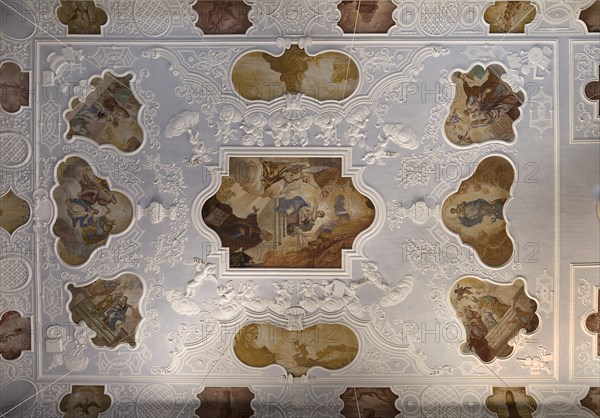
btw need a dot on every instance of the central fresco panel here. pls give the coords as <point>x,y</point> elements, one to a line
<point>305,209</point>
<point>287,212</point>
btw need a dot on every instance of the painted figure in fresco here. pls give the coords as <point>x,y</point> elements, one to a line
<point>96,110</point>
<point>473,212</point>
<point>300,215</point>
<point>489,318</point>
<point>292,69</point>
<point>276,176</point>
<point>243,233</point>
<point>492,304</point>
<point>118,112</point>
<point>123,94</point>
<point>107,302</point>
<point>79,126</point>
<point>116,313</point>
<point>462,292</point>
<point>98,231</point>
<point>487,102</point>
<point>95,190</point>
<point>492,315</point>
<point>80,211</point>
<point>301,356</point>
<point>340,209</point>
<point>82,12</point>
<point>328,178</point>
<point>89,121</point>
<point>476,336</point>
<point>511,405</point>
<point>295,194</point>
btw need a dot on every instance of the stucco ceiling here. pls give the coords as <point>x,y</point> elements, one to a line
<point>299,208</point>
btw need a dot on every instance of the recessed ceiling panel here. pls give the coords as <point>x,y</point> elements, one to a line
<point>308,208</point>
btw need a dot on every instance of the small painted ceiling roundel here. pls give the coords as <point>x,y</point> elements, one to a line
<point>476,211</point>
<point>111,308</point>
<point>509,16</point>
<point>88,211</point>
<point>81,17</point>
<point>222,17</point>
<point>492,314</point>
<point>325,76</point>
<point>14,212</point>
<point>366,16</point>
<point>591,17</point>
<point>484,108</point>
<point>14,87</point>
<point>108,114</point>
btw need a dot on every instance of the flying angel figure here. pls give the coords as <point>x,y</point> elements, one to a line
<point>462,292</point>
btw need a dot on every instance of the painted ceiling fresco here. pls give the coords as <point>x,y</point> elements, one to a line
<point>326,76</point>
<point>312,208</point>
<point>287,212</point>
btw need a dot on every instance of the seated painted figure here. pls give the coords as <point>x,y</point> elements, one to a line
<point>116,313</point>
<point>240,233</point>
<point>485,104</point>
<point>98,230</point>
<point>472,213</point>
<point>95,190</point>
<point>300,215</point>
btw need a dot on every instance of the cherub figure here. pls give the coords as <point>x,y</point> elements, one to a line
<point>370,272</point>
<point>204,271</point>
<point>247,291</point>
<point>227,293</point>
<point>307,290</point>
<point>201,153</point>
<point>376,154</point>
